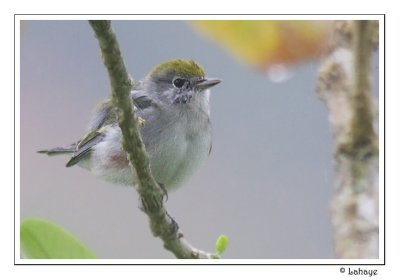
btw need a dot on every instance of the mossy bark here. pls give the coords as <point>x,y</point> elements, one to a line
<point>344,85</point>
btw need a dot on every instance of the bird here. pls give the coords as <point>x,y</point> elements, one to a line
<point>173,102</point>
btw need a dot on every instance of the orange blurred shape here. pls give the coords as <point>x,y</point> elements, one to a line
<point>264,43</point>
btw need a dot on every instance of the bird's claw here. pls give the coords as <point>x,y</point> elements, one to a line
<point>164,190</point>
<point>175,226</point>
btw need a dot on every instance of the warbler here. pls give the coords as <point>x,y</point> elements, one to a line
<point>173,101</point>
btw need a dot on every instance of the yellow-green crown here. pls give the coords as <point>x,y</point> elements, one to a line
<point>177,68</point>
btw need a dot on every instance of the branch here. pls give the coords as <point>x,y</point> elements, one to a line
<point>161,224</point>
<point>345,87</point>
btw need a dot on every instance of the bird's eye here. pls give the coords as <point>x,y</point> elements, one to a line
<point>178,82</point>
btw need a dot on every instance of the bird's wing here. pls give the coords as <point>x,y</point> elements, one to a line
<point>140,100</point>
<point>86,145</point>
<point>105,116</point>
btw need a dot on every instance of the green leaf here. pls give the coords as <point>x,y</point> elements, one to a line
<point>41,239</point>
<point>221,244</point>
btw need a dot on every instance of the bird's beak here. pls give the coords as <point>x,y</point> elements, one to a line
<point>207,83</point>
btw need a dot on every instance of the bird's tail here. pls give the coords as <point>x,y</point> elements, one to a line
<point>59,150</point>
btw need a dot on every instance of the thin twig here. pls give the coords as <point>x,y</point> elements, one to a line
<point>161,224</point>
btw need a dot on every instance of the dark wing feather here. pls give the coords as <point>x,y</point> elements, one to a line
<point>85,147</point>
<point>141,102</point>
<point>59,150</point>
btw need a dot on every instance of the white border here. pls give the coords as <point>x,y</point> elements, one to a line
<point>172,261</point>
<point>17,94</point>
<point>382,190</point>
<point>198,17</point>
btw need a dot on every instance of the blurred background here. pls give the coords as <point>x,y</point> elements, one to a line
<point>267,184</point>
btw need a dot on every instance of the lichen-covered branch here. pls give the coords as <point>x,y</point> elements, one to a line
<point>162,225</point>
<point>344,85</point>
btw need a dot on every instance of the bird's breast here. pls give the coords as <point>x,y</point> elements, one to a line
<point>177,146</point>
